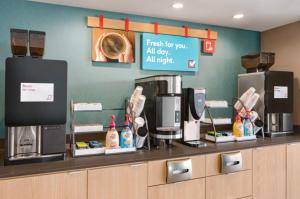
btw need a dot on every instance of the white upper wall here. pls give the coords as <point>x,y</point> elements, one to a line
<point>259,15</point>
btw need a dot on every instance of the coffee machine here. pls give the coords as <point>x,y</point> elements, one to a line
<point>35,103</point>
<point>275,105</point>
<point>35,109</point>
<point>162,106</point>
<point>192,106</point>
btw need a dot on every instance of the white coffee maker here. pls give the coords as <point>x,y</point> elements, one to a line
<point>193,104</point>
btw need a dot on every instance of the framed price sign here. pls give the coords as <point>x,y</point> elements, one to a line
<point>209,45</point>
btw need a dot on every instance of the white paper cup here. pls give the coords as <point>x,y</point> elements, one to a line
<point>141,136</point>
<point>139,122</point>
<point>139,106</point>
<point>135,95</point>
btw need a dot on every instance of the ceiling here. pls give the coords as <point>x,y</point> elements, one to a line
<point>259,15</point>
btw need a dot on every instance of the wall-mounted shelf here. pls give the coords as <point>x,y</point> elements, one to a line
<point>86,107</point>
<point>84,128</point>
<point>117,24</point>
<point>215,104</point>
<point>89,151</point>
<point>119,150</point>
<point>218,121</point>
<point>87,128</point>
<point>219,139</point>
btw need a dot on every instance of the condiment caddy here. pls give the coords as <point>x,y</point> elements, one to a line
<point>134,133</point>
<point>94,147</point>
<point>215,136</point>
<point>83,148</point>
<point>247,122</point>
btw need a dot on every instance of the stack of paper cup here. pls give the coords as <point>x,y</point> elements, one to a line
<point>136,94</point>
<point>139,106</point>
<point>250,103</point>
<point>134,97</point>
<point>245,96</point>
<point>141,136</point>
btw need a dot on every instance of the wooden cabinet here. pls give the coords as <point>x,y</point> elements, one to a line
<point>126,182</point>
<point>51,186</point>
<point>157,170</point>
<point>269,172</point>
<point>181,190</point>
<point>293,171</point>
<point>229,186</point>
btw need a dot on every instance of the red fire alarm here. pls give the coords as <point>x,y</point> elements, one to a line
<point>209,45</point>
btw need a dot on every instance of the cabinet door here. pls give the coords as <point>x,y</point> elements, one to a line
<point>50,186</point>
<point>182,190</point>
<point>229,186</point>
<point>293,171</point>
<point>17,188</point>
<point>269,172</point>
<point>76,185</point>
<point>126,182</point>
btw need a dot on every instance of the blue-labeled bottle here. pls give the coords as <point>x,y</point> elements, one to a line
<point>126,138</point>
<point>248,126</point>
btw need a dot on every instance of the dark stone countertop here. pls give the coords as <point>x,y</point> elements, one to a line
<point>178,150</point>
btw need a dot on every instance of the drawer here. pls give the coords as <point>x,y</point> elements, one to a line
<point>213,162</point>
<point>181,190</point>
<point>157,170</point>
<point>229,186</point>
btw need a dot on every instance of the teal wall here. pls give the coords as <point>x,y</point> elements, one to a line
<point>68,38</point>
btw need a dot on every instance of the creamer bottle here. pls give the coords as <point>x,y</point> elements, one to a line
<point>126,137</point>
<point>248,126</point>
<point>238,127</point>
<point>112,136</point>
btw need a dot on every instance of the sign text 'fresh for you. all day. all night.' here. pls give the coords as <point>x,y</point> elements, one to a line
<point>166,52</point>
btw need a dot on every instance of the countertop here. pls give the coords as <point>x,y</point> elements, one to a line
<point>176,151</point>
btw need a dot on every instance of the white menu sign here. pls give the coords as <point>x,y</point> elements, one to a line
<point>280,92</point>
<point>37,92</point>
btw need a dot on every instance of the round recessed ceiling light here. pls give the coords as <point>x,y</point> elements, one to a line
<point>177,5</point>
<point>238,16</point>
